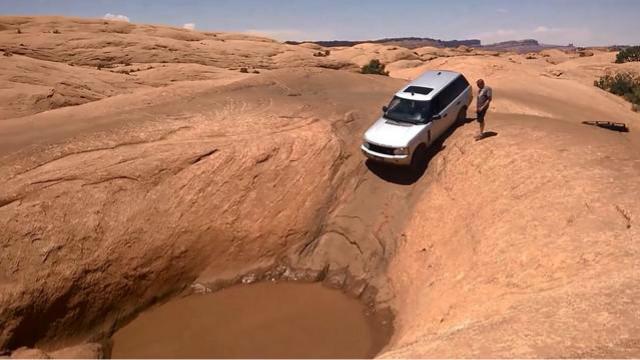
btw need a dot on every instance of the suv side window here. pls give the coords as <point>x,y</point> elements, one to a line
<point>461,85</point>
<point>447,95</point>
<point>455,89</point>
<point>435,104</point>
<point>458,86</point>
<point>463,82</point>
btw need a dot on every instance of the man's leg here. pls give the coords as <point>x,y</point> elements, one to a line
<point>481,122</point>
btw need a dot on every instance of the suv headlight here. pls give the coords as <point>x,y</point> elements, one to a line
<point>401,151</point>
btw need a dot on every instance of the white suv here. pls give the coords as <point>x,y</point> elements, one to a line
<point>416,116</point>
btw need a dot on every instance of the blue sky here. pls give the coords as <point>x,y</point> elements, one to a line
<point>582,22</point>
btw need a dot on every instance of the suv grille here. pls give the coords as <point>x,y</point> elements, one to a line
<point>380,149</point>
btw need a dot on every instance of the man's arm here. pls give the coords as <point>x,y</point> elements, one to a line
<point>486,105</point>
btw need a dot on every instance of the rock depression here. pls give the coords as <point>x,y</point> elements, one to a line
<point>169,171</point>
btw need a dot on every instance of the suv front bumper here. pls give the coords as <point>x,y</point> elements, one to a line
<point>391,159</point>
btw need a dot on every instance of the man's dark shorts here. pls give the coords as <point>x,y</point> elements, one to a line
<point>481,114</point>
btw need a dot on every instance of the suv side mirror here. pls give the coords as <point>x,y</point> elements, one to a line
<point>384,109</point>
<point>436,117</point>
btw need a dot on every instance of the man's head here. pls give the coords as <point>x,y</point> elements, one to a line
<point>480,83</point>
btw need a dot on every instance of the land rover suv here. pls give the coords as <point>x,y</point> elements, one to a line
<point>416,116</point>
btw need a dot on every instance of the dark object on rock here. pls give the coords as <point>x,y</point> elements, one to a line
<point>585,53</point>
<point>244,70</point>
<point>628,55</point>
<point>556,73</point>
<point>625,84</point>
<point>322,53</point>
<point>621,127</point>
<point>374,67</point>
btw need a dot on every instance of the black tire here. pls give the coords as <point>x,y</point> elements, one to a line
<point>419,158</point>
<point>462,116</point>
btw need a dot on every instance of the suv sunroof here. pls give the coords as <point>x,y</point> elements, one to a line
<point>418,90</point>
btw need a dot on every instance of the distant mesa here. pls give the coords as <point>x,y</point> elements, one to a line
<point>524,46</point>
<point>519,46</point>
<point>407,42</point>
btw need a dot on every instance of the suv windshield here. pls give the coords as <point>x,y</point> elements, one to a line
<point>406,110</point>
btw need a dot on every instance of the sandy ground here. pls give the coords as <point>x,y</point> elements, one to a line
<point>169,167</point>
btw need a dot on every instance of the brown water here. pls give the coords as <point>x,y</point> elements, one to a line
<point>264,320</point>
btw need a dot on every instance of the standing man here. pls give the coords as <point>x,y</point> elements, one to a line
<point>482,103</point>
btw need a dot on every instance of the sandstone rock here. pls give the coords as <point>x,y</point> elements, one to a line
<point>356,288</point>
<point>304,275</point>
<point>250,278</point>
<point>556,73</point>
<point>276,273</point>
<point>113,202</point>
<point>336,279</point>
<point>82,351</point>
<point>198,288</point>
<point>585,53</point>
<point>403,64</point>
<point>29,353</point>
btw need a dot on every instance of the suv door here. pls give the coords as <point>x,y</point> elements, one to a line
<point>461,96</point>
<point>447,110</point>
<point>438,126</point>
<point>452,101</point>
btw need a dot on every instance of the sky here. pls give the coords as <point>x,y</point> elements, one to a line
<point>581,22</point>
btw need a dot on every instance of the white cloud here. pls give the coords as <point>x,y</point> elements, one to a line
<point>541,29</point>
<point>115,17</point>
<point>189,26</point>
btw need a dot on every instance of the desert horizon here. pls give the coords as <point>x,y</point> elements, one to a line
<point>172,192</point>
<point>389,39</point>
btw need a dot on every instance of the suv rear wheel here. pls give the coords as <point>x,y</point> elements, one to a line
<point>462,115</point>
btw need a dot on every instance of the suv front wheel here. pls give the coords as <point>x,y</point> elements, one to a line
<point>419,158</point>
